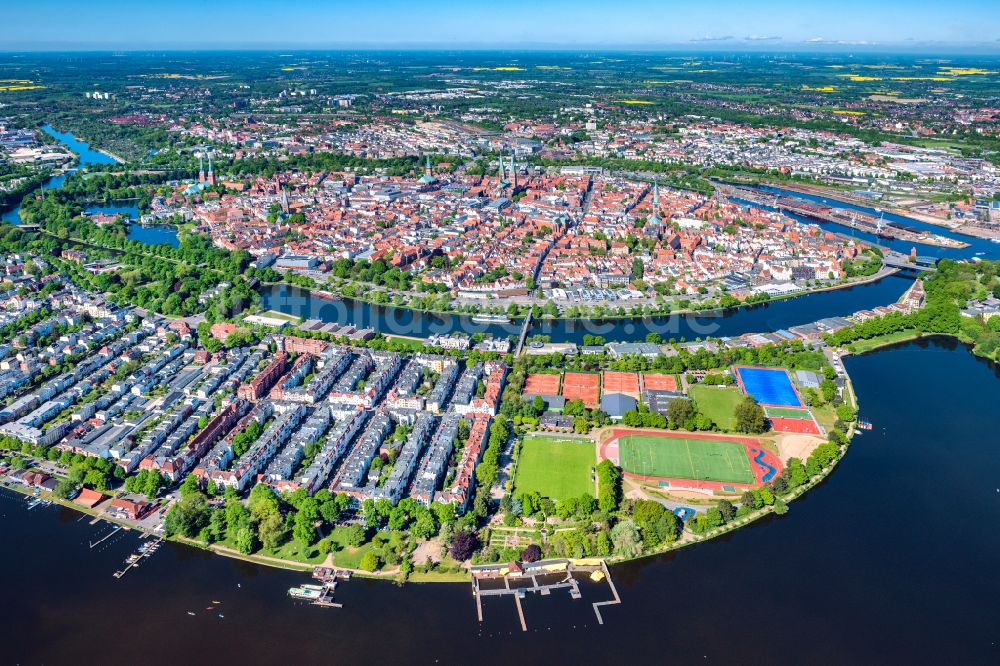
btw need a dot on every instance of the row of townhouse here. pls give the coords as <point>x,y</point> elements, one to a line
<point>221,455</point>
<point>35,411</point>
<point>180,462</point>
<point>332,364</point>
<point>465,389</point>
<point>438,397</point>
<point>434,462</point>
<point>259,385</point>
<point>261,451</point>
<point>164,458</point>
<point>403,394</point>
<point>287,461</point>
<point>130,460</point>
<point>460,489</point>
<point>489,403</point>
<point>406,461</point>
<point>386,366</point>
<point>352,473</point>
<point>333,449</point>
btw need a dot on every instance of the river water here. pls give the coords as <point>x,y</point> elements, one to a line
<point>977,246</point>
<point>85,154</point>
<point>891,560</point>
<point>773,316</point>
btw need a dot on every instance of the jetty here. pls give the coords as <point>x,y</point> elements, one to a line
<point>132,561</point>
<point>521,579</point>
<point>321,594</point>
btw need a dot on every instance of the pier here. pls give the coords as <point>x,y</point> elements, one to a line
<point>132,561</point>
<point>106,537</point>
<point>519,574</point>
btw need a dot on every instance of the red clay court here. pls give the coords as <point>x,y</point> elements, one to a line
<point>582,386</point>
<point>620,382</point>
<point>659,382</point>
<point>541,385</point>
<point>804,426</point>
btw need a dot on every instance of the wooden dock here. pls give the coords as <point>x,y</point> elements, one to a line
<point>519,592</point>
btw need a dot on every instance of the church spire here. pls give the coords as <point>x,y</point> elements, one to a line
<point>513,171</point>
<point>201,168</point>
<point>502,176</point>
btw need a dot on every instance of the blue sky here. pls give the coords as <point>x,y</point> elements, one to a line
<point>919,25</point>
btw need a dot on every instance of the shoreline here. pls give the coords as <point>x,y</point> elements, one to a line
<point>881,275</point>
<point>686,537</point>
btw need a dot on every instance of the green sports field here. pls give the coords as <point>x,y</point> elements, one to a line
<point>557,468</point>
<point>788,413</point>
<point>718,404</point>
<point>685,458</point>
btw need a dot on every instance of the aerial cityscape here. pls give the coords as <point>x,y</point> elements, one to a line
<point>581,340</point>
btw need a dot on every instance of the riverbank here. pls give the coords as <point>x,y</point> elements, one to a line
<point>708,312</point>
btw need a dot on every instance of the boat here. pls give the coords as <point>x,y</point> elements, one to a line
<point>304,593</point>
<point>491,319</point>
<point>327,296</point>
<point>190,613</point>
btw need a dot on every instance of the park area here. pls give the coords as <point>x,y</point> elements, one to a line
<point>717,403</point>
<point>555,467</point>
<point>697,458</point>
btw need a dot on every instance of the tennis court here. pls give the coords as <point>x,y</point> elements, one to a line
<point>620,382</point>
<point>541,384</point>
<point>582,386</point>
<point>659,382</point>
<point>679,457</point>
<point>769,386</point>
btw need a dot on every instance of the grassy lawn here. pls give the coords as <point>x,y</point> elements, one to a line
<point>555,467</point>
<point>717,403</point>
<point>409,343</point>
<point>291,550</point>
<point>274,314</point>
<point>349,556</point>
<point>862,346</point>
<point>788,413</point>
<point>685,458</point>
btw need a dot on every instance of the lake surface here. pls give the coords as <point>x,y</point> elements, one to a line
<point>891,560</point>
<point>751,319</point>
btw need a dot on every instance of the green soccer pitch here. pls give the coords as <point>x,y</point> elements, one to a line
<point>685,458</point>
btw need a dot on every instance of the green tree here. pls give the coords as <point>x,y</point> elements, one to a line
<point>369,561</point>
<point>750,417</point>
